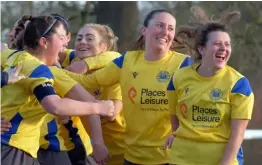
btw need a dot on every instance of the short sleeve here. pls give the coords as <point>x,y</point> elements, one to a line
<point>113,92</point>
<point>242,100</point>
<point>70,56</point>
<point>40,75</point>
<point>187,62</point>
<point>100,61</point>
<point>62,82</point>
<point>172,96</point>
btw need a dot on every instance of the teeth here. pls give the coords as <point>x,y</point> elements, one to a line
<point>162,39</point>
<point>83,49</point>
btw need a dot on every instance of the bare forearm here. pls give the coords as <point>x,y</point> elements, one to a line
<point>238,128</point>
<point>174,122</point>
<point>68,107</point>
<point>231,150</point>
<point>92,124</point>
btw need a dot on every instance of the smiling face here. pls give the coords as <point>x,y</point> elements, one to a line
<point>217,50</point>
<point>160,32</point>
<point>54,44</point>
<point>89,43</point>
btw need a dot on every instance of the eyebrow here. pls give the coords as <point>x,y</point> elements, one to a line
<point>88,34</point>
<point>168,24</point>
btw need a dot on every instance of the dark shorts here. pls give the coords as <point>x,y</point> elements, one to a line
<point>14,156</point>
<point>126,162</point>
<point>78,156</point>
<point>47,157</point>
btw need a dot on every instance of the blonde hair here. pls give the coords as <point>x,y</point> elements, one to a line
<point>106,34</point>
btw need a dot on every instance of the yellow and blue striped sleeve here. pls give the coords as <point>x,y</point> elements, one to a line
<point>101,60</point>
<point>187,62</point>
<point>106,76</point>
<point>172,96</point>
<point>39,76</point>
<point>242,100</point>
<point>70,56</point>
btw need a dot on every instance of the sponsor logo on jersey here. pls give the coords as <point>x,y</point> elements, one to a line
<point>132,94</point>
<point>205,114</point>
<point>183,110</point>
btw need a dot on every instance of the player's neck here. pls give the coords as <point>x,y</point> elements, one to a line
<point>38,54</point>
<point>207,71</point>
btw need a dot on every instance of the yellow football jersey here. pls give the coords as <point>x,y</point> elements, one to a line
<point>4,56</point>
<point>113,132</point>
<point>205,107</point>
<point>98,61</point>
<point>70,56</point>
<point>56,135</point>
<point>20,106</point>
<point>143,85</point>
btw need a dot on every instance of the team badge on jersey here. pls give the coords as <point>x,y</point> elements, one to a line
<point>216,94</point>
<point>163,76</point>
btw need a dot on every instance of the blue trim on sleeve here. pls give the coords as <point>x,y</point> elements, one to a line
<point>51,137</point>
<point>42,71</point>
<point>119,61</point>
<point>240,156</point>
<point>171,86</point>
<point>72,56</point>
<point>242,86</point>
<point>15,122</point>
<point>187,62</point>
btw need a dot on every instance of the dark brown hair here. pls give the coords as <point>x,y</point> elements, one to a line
<point>195,34</point>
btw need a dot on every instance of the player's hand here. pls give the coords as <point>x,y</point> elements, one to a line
<point>169,142</point>
<point>100,153</point>
<point>13,75</point>
<point>106,108</point>
<point>5,125</point>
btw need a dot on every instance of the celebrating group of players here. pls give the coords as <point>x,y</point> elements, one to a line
<point>149,106</point>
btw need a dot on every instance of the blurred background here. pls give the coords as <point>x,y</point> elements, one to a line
<point>126,18</point>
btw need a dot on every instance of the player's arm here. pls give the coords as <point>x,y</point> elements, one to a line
<point>40,83</point>
<point>242,101</point>
<point>90,122</point>
<point>114,93</point>
<point>92,63</point>
<point>172,102</point>
<point>106,76</point>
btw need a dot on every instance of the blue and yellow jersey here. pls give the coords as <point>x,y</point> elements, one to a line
<point>143,85</point>
<point>56,135</point>
<point>69,57</point>
<point>112,131</point>
<point>4,56</point>
<point>205,107</point>
<point>20,106</point>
